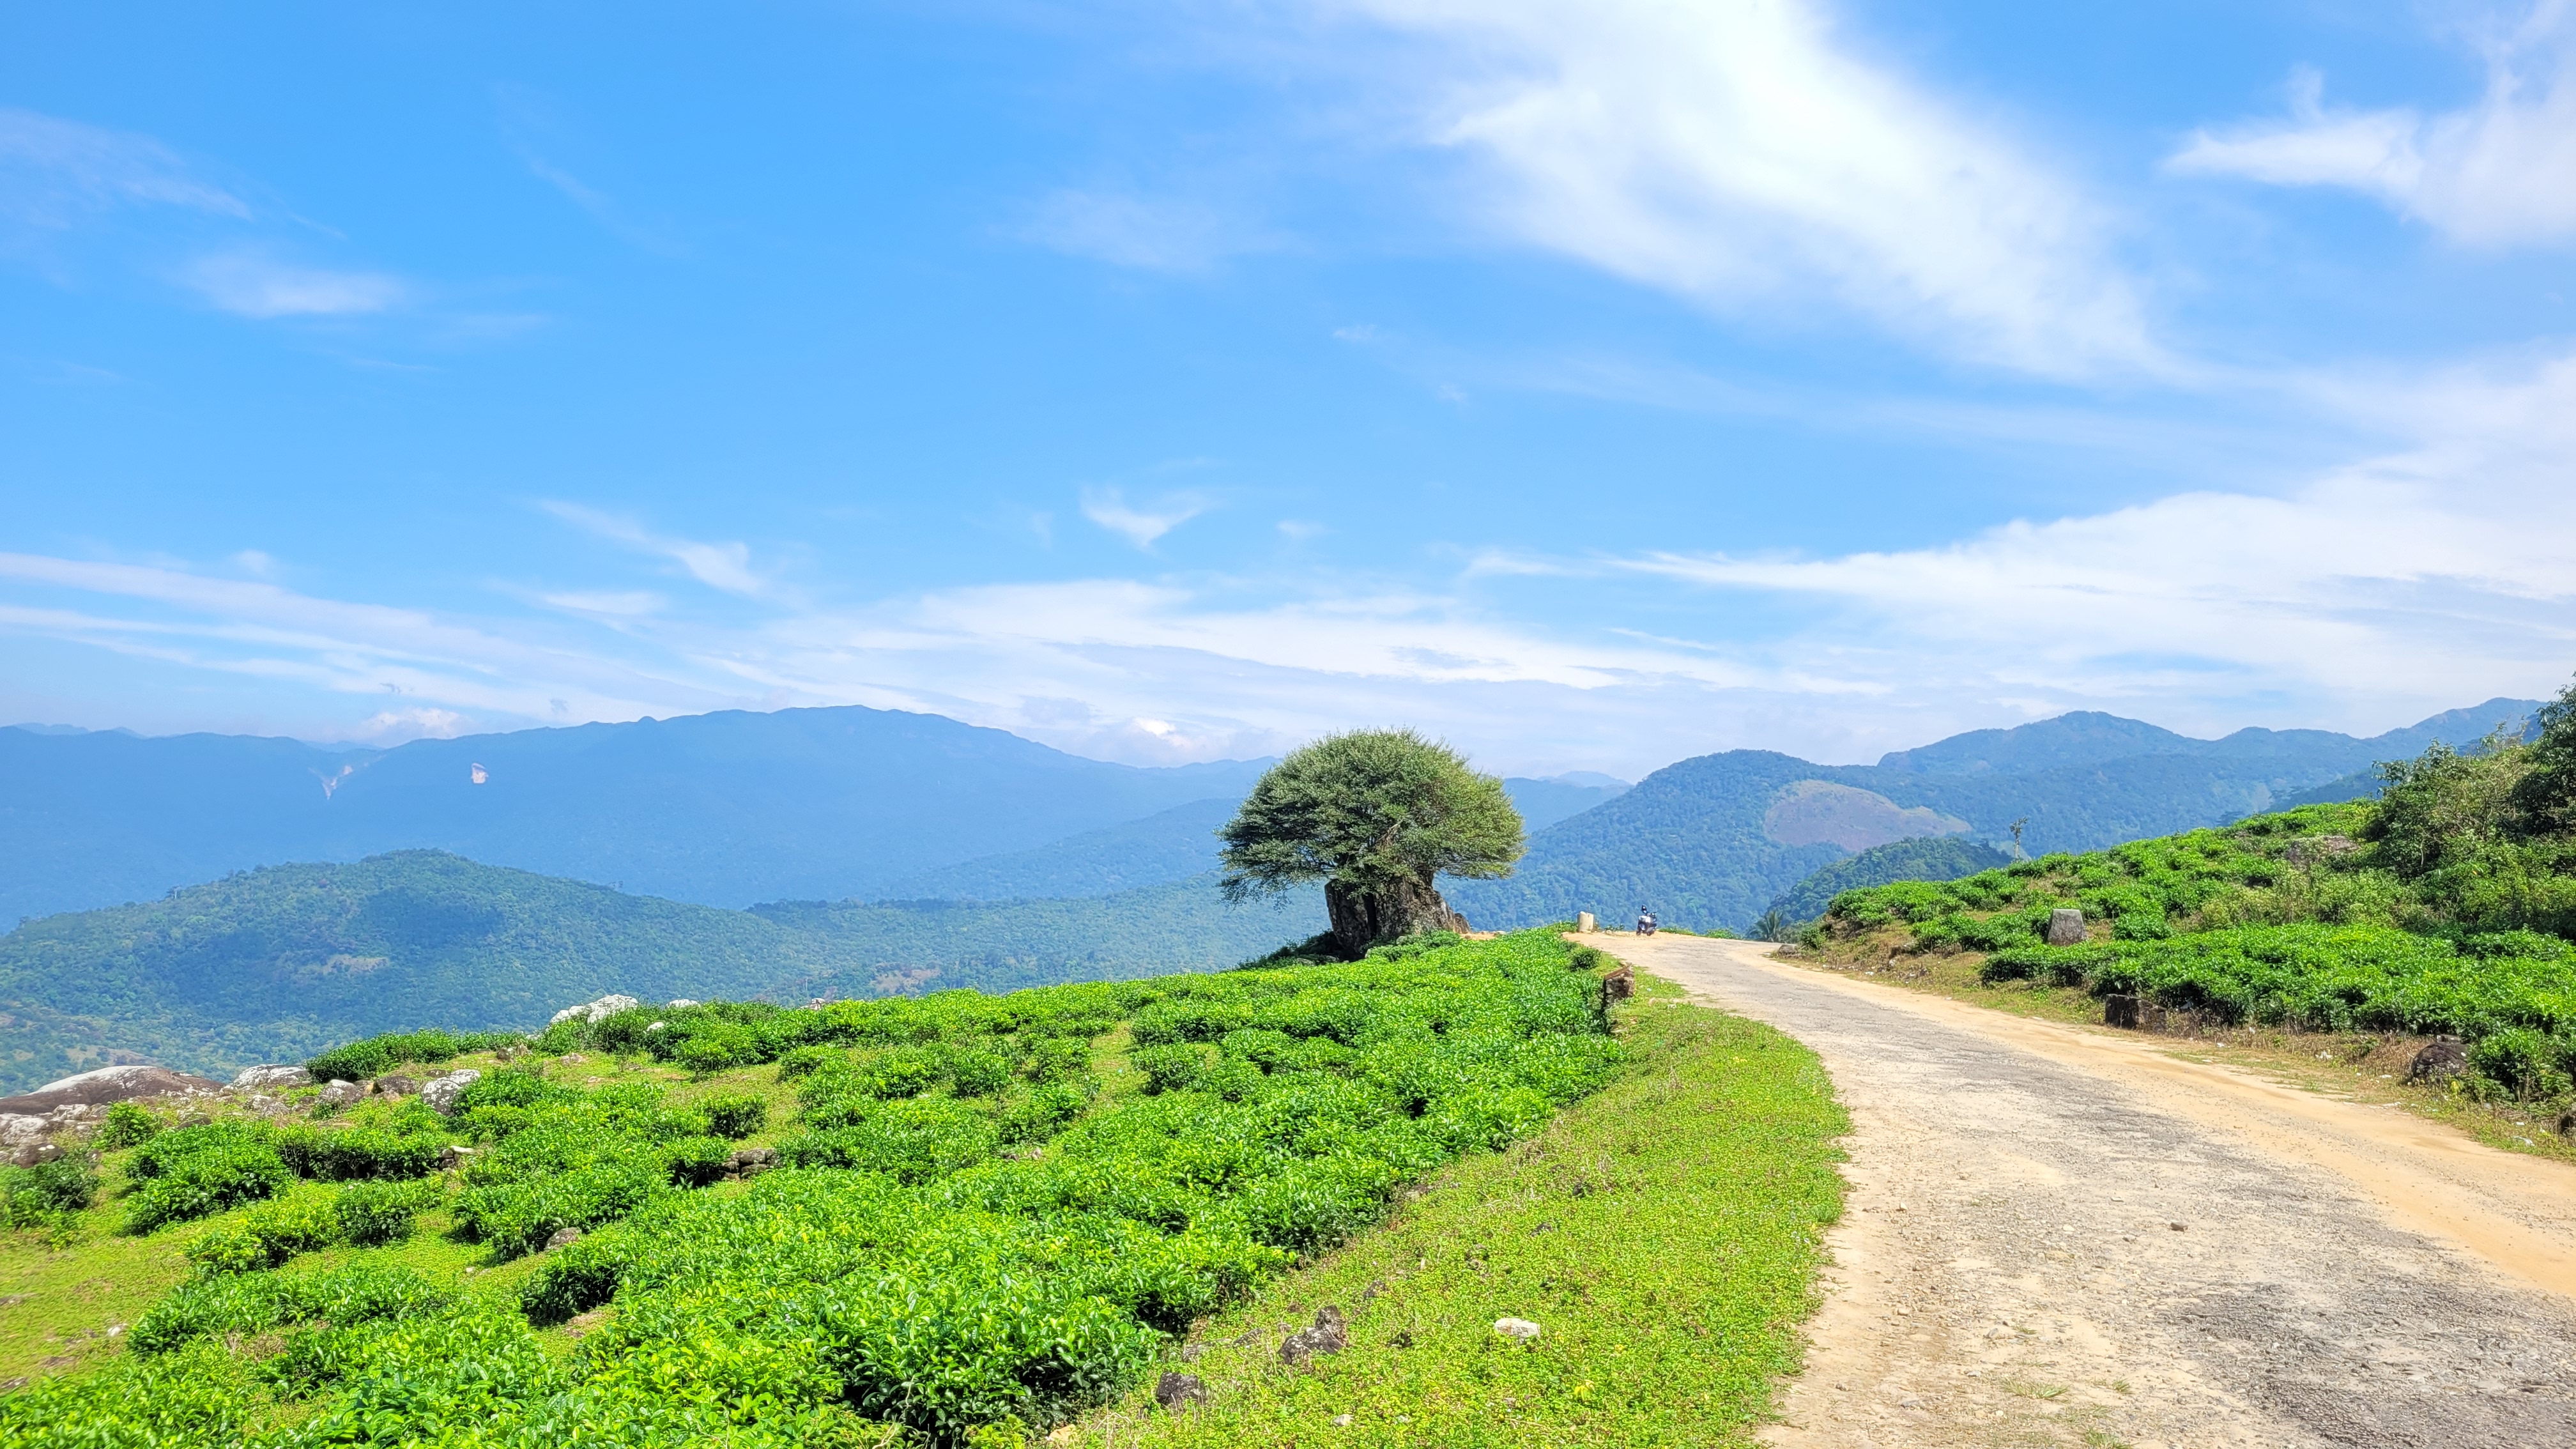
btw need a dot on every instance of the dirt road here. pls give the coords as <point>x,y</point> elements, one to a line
<point>2062,1236</point>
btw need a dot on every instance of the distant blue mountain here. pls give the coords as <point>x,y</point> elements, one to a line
<point>720,809</point>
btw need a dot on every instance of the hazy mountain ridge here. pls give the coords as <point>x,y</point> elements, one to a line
<point>719,809</point>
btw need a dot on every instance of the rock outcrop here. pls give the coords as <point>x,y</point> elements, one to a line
<point>107,1085</point>
<point>605,1006</point>
<point>271,1077</point>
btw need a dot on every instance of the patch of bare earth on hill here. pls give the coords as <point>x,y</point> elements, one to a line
<point>2009,1270</point>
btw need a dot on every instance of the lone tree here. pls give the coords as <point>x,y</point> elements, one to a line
<point>1374,815</point>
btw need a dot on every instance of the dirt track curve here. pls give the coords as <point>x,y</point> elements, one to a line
<point>2010,1272</point>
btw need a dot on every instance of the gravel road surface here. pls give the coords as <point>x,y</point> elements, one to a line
<point>2062,1236</point>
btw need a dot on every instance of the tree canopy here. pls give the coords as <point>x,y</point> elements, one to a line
<point>1376,815</point>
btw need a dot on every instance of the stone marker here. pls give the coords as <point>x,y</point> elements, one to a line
<point>1520,1328</point>
<point>1174,1391</point>
<point>1584,923</point>
<point>2066,927</point>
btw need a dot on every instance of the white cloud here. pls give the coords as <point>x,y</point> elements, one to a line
<point>725,566</point>
<point>53,172</point>
<point>1163,234</point>
<point>393,726</point>
<point>252,284</point>
<point>2436,573</point>
<point>1140,524</point>
<point>2498,172</point>
<point>1746,152</point>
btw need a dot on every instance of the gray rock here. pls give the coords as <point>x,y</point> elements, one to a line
<point>396,1085</point>
<point>269,1078</point>
<point>23,1127</point>
<point>2066,927</point>
<point>1619,985</point>
<point>563,1238</point>
<point>1329,1335</point>
<point>441,1092</point>
<point>264,1104</point>
<point>2442,1058</point>
<point>1520,1328</point>
<point>95,1090</point>
<point>678,1002</point>
<point>605,1006</point>
<point>751,1161</point>
<point>1177,1391</point>
<point>341,1094</point>
<point>34,1153</point>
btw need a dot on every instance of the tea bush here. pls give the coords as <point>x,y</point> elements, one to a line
<point>128,1124</point>
<point>47,1192</point>
<point>983,1223</point>
<point>377,1055</point>
<point>193,1172</point>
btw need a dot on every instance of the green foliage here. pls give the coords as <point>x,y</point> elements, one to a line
<point>737,1115</point>
<point>378,1055</point>
<point>2545,797</point>
<point>373,1213</point>
<point>948,1252</point>
<point>48,1192</point>
<point>1378,813</point>
<point>268,1234</point>
<point>128,1124</point>
<point>192,1172</point>
<point>344,1154</point>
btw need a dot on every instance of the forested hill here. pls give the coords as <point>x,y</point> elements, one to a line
<point>1712,841</point>
<point>274,964</point>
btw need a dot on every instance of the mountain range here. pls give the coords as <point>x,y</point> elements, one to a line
<point>279,895</point>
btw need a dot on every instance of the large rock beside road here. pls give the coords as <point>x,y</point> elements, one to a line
<point>106,1085</point>
<point>2066,927</point>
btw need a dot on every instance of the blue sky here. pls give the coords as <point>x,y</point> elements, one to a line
<point>1593,384</point>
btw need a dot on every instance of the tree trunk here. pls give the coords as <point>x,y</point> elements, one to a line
<point>1361,921</point>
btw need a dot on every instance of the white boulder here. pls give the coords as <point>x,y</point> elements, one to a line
<point>605,1006</point>
<point>679,1002</point>
<point>254,1078</point>
<point>441,1092</point>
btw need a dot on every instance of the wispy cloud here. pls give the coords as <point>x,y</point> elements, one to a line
<point>1163,234</point>
<point>2500,171</point>
<point>725,566</point>
<point>250,283</point>
<point>1743,154</point>
<point>53,172</point>
<point>1140,524</point>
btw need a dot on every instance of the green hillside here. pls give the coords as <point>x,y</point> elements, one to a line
<point>1923,858</point>
<point>272,964</point>
<point>2447,905</point>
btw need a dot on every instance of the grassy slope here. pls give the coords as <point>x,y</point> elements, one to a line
<point>1711,1157</point>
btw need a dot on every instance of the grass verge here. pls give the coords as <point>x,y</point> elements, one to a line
<point>1664,1233</point>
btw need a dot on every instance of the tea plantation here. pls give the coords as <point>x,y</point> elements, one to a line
<point>959,1219</point>
<point>2327,918</point>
